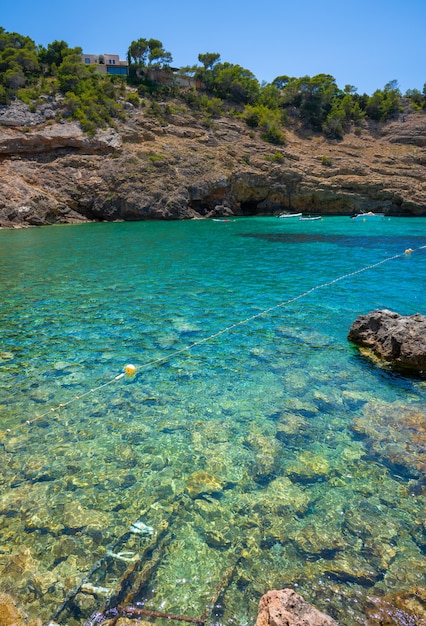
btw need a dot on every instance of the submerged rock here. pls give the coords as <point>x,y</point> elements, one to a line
<point>395,432</point>
<point>286,608</point>
<point>11,615</point>
<point>202,482</point>
<point>406,607</point>
<point>309,467</point>
<point>318,540</point>
<point>397,339</point>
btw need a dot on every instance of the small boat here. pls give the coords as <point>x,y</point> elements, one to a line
<point>288,215</point>
<point>363,217</point>
<point>310,218</point>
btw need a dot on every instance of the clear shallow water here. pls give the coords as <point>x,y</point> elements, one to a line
<point>271,456</point>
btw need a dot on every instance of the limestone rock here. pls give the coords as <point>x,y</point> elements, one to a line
<point>397,339</point>
<point>57,136</point>
<point>281,497</point>
<point>395,432</point>
<point>202,482</point>
<point>11,615</point>
<point>20,114</point>
<point>414,134</point>
<point>406,607</point>
<point>178,167</point>
<point>286,608</point>
<point>309,467</point>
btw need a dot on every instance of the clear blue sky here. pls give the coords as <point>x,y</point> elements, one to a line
<point>364,43</point>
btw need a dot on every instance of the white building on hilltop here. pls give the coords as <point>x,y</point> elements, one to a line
<point>106,63</point>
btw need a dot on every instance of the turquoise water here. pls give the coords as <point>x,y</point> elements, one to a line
<point>270,455</point>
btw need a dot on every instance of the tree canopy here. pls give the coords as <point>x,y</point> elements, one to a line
<point>28,70</point>
<point>148,52</point>
<point>19,63</point>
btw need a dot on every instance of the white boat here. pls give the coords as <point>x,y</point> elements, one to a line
<point>288,215</point>
<point>364,217</point>
<point>309,218</point>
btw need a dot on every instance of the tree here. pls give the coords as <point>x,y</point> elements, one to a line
<point>270,96</point>
<point>233,82</point>
<point>72,71</point>
<point>22,57</point>
<point>14,78</point>
<point>159,57</point>
<point>52,56</point>
<point>209,59</point>
<point>383,104</point>
<point>416,98</point>
<point>313,96</point>
<point>268,121</point>
<point>148,52</point>
<point>392,85</point>
<point>18,63</point>
<point>281,81</point>
<point>138,51</point>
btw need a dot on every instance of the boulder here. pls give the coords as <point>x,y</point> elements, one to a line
<point>66,136</point>
<point>286,608</point>
<point>397,339</point>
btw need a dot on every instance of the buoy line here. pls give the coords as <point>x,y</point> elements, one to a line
<point>130,370</point>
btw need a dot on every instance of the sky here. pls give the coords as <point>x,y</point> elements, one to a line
<point>363,43</point>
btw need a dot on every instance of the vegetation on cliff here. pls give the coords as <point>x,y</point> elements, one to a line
<point>29,71</point>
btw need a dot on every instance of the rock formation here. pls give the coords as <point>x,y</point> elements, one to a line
<point>177,166</point>
<point>397,339</point>
<point>286,608</point>
<point>10,615</point>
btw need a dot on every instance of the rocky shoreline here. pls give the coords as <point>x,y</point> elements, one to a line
<point>395,339</point>
<point>276,608</point>
<point>282,607</point>
<point>177,165</point>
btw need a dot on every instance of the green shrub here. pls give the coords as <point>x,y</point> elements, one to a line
<point>133,99</point>
<point>277,157</point>
<point>268,121</point>
<point>274,135</point>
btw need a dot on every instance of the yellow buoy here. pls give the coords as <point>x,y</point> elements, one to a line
<point>408,251</point>
<point>130,369</point>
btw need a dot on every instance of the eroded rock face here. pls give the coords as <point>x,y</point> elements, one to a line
<point>55,137</point>
<point>177,167</point>
<point>286,608</point>
<point>397,339</point>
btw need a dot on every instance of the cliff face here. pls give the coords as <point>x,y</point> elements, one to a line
<point>175,166</point>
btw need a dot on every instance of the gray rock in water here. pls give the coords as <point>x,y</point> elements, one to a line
<point>286,608</point>
<point>400,340</point>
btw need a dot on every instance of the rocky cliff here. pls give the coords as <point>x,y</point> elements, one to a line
<point>178,165</point>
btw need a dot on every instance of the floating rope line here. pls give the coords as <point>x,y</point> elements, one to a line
<point>62,405</point>
<point>130,370</point>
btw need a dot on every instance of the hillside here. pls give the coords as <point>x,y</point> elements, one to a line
<point>178,165</point>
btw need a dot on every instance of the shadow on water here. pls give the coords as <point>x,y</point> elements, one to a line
<point>340,240</point>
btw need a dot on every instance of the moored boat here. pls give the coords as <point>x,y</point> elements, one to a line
<point>363,217</point>
<point>310,218</point>
<point>289,215</point>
